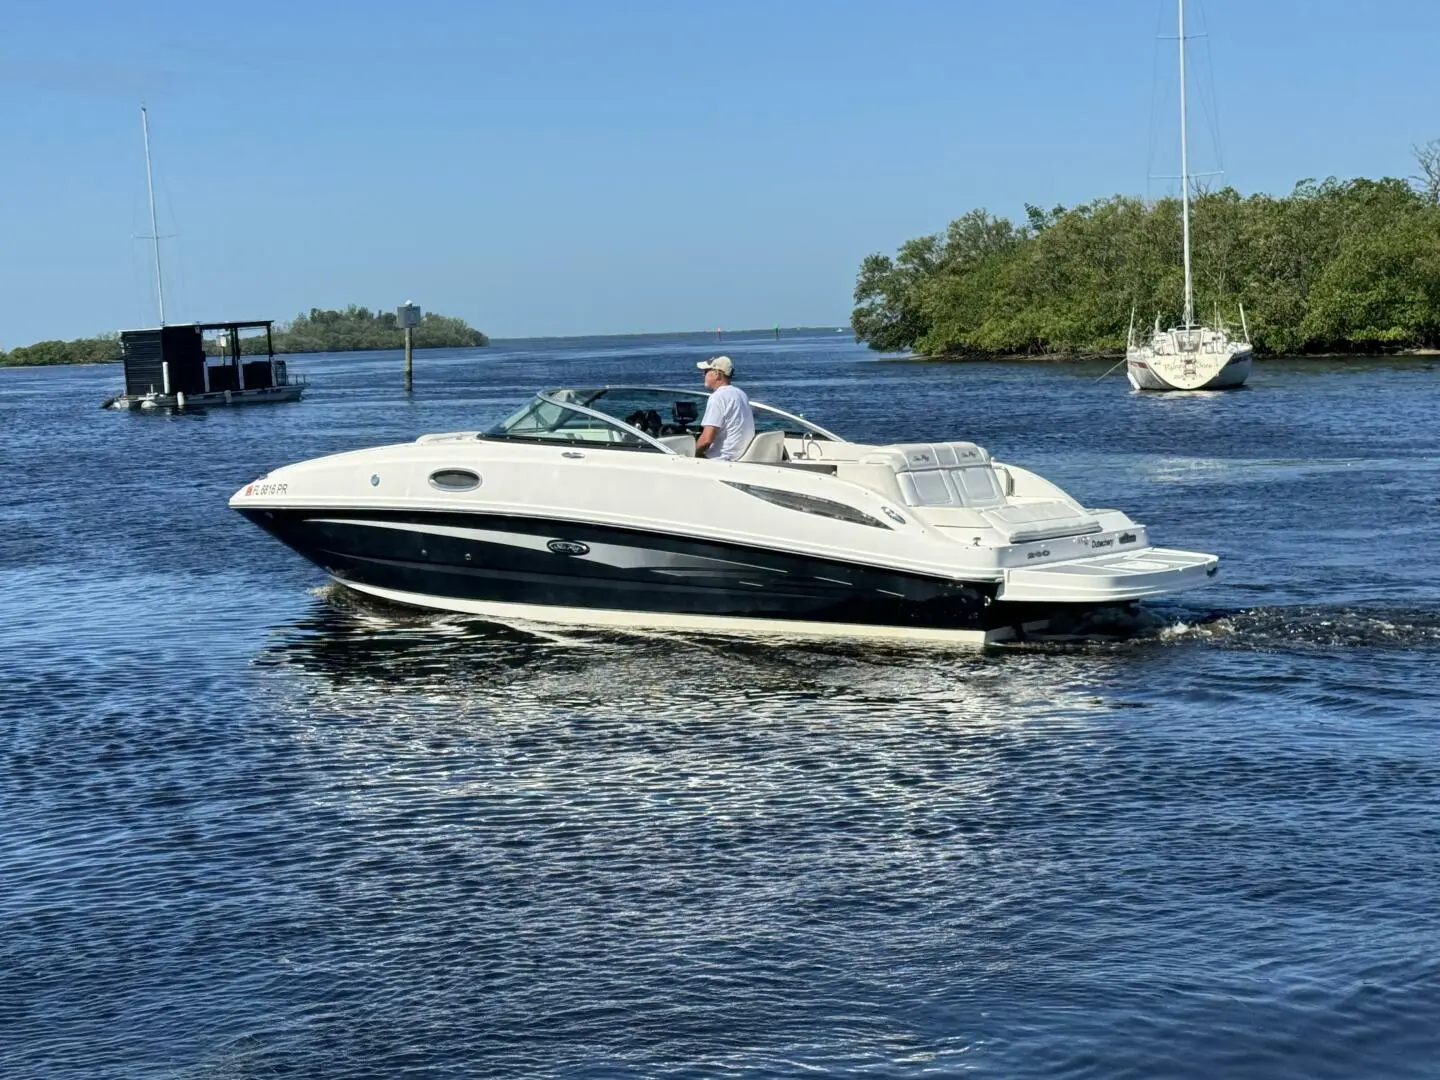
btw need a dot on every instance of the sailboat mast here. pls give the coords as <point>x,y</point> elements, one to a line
<point>1185,180</point>
<point>154,225</point>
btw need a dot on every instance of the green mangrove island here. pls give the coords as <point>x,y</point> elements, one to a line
<point>1339,266</point>
<point>355,329</point>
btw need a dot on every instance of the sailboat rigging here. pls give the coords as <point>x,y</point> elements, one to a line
<point>1191,356</point>
<point>154,222</point>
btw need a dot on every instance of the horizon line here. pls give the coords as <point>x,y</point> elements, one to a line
<point>667,333</point>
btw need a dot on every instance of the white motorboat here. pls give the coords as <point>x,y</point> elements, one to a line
<point>588,506</point>
<point>1191,356</point>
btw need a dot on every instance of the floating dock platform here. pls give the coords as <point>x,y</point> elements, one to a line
<point>170,367</point>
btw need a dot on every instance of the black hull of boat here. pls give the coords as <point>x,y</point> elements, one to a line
<point>498,559</point>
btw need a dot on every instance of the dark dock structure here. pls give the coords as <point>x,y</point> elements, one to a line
<point>171,367</point>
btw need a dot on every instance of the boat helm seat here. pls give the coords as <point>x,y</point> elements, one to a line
<point>766,446</point>
<point>941,474</point>
<point>684,413</point>
<point>684,445</point>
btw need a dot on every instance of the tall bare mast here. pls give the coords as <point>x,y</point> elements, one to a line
<point>155,228</point>
<point>1185,180</point>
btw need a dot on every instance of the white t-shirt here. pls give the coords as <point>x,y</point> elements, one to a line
<point>729,410</point>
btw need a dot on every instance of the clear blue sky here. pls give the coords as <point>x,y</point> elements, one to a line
<point>602,166</point>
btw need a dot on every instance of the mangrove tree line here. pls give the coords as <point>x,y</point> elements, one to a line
<point>1333,266</point>
<point>358,328</point>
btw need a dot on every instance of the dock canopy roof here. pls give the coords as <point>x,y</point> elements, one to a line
<point>253,324</point>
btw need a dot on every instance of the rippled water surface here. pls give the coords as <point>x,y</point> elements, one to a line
<point>251,826</point>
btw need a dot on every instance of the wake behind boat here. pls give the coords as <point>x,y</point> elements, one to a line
<point>588,507</point>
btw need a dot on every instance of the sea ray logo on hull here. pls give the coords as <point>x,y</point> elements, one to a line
<point>1127,538</point>
<point>568,547</point>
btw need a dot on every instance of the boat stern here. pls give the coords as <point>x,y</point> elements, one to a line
<point>1109,579</point>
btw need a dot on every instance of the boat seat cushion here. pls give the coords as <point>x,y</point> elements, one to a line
<point>941,474</point>
<point>1043,519</point>
<point>766,446</point>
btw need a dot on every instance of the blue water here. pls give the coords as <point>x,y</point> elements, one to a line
<point>251,826</point>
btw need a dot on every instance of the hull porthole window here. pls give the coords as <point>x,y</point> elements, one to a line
<point>455,480</point>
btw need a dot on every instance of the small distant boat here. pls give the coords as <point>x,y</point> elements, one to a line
<point>168,367</point>
<point>1191,356</point>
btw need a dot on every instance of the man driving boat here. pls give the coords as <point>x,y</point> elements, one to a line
<point>728,424</point>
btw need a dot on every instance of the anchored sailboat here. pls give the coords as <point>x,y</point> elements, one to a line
<point>1191,356</point>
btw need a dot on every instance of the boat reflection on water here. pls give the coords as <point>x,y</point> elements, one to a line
<point>451,665</point>
<point>353,639</point>
<point>603,746</point>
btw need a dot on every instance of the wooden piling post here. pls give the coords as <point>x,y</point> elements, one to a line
<point>409,359</point>
<point>408,314</point>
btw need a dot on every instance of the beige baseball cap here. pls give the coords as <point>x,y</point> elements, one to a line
<point>723,364</point>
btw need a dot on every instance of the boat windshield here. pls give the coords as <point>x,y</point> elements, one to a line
<point>660,412</point>
<point>632,418</point>
<point>557,418</point>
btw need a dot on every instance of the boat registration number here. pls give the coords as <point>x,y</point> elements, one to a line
<point>267,489</point>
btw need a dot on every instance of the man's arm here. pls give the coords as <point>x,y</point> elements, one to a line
<point>708,434</point>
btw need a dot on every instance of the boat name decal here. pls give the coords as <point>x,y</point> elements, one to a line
<point>568,547</point>
<point>1109,541</point>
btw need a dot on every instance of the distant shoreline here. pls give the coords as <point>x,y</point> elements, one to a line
<point>1116,357</point>
<point>353,329</point>
<point>695,336</point>
<point>5,362</point>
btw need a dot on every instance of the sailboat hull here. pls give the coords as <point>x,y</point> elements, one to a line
<point>1198,359</point>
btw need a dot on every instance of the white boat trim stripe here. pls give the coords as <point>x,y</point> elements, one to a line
<point>650,620</point>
